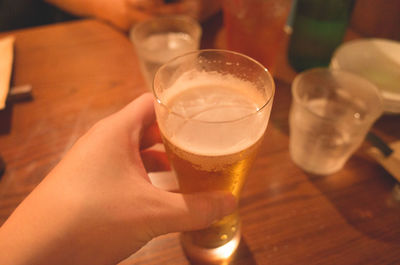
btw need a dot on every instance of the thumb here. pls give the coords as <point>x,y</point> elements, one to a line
<point>187,212</point>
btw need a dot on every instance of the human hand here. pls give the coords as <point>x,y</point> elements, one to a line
<point>97,206</point>
<point>138,10</point>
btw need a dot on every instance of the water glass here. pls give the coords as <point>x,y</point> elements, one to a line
<point>159,40</point>
<point>331,113</point>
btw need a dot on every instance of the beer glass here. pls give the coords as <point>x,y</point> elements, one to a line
<point>212,109</point>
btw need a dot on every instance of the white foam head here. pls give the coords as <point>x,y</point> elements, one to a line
<point>213,114</point>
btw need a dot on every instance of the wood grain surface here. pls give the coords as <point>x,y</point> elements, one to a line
<point>83,71</point>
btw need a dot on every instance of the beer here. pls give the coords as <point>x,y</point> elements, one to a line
<point>206,153</point>
<point>212,109</point>
<point>198,173</point>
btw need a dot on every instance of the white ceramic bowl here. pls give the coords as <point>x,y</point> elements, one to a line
<point>377,60</point>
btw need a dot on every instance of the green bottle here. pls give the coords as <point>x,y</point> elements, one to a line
<point>318,28</point>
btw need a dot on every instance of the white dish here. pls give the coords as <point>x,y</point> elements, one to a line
<point>377,60</point>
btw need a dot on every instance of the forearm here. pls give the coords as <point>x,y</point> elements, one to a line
<point>60,223</point>
<point>110,11</point>
<point>35,230</point>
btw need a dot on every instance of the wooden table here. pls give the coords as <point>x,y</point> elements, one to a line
<point>84,71</point>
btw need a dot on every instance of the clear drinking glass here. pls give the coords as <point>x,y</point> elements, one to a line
<point>212,109</point>
<point>256,28</point>
<point>159,40</point>
<point>331,113</point>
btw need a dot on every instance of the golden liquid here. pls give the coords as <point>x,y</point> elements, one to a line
<point>208,154</point>
<point>197,173</point>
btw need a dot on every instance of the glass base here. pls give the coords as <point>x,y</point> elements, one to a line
<point>316,166</point>
<point>216,256</point>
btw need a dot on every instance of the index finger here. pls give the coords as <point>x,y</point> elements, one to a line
<point>150,136</point>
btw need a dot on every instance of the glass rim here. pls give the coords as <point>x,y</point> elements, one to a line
<point>300,76</point>
<point>179,18</point>
<point>267,102</point>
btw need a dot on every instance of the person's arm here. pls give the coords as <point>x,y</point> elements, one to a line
<point>114,11</point>
<point>124,13</point>
<point>198,9</point>
<point>97,206</point>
